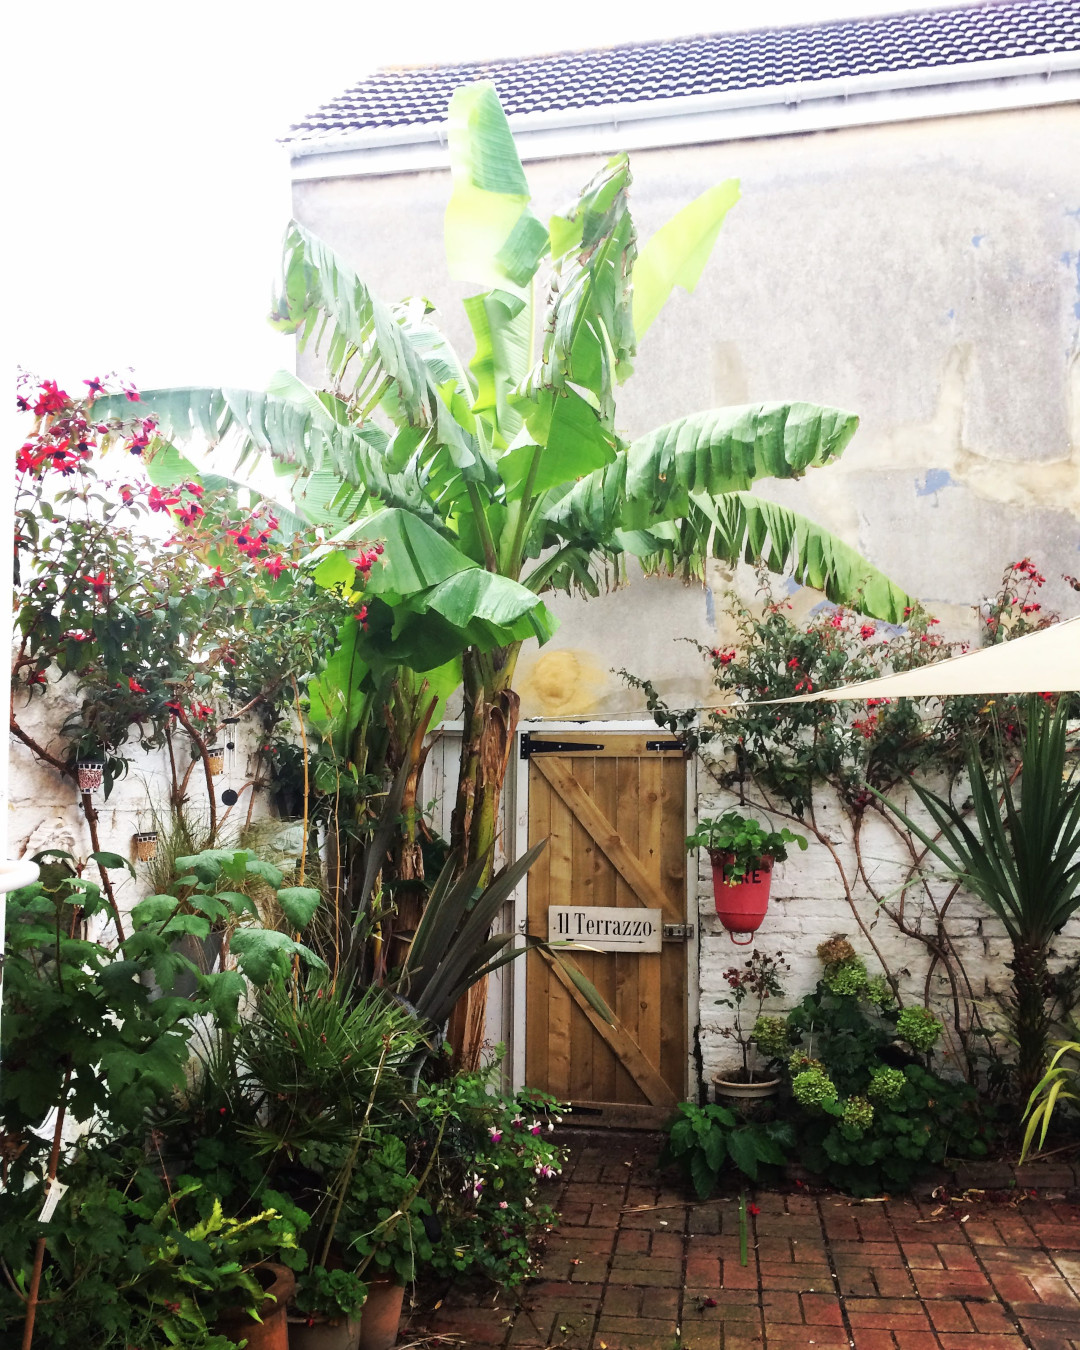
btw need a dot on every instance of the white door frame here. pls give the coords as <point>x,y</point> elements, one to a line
<point>516,817</point>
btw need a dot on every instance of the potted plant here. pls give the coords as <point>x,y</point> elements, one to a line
<point>751,984</point>
<point>742,853</point>
<point>327,1310</point>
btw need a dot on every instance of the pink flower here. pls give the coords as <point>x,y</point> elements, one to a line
<point>495,1133</point>
<point>276,565</point>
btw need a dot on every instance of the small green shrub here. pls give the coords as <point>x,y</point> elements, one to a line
<point>702,1139</point>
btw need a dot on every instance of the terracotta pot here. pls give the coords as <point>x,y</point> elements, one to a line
<point>146,845</point>
<point>216,757</point>
<point>381,1315</point>
<point>272,1333</point>
<point>323,1333</point>
<point>741,906</point>
<point>90,773</point>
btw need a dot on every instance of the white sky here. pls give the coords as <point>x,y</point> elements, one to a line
<point>149,195</point>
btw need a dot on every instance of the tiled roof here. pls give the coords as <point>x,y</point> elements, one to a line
<point>711,64</point>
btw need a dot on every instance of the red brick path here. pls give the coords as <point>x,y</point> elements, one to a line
<point>635,1267</point>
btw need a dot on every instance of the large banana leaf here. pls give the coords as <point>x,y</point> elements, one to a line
<point>709,453</point>
<point>677,253</point>
<point>491,235</point>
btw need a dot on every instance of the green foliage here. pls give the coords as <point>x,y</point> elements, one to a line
<point>319,1057</point>
<point>770,1035</point>
<point>382,1219</point>
<point>497,1151</point>
<point>702,1139</point>
<point>868,1118</point>
<point>745,840</point>
<point>136,1259</point>
<point>1059,1087</point>
<point>330,1293</point>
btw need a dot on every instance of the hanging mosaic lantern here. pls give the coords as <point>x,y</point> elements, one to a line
<point>90,773</point>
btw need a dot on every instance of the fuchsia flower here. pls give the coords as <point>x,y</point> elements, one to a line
<point>276,565</point>
<point>837,620</point>
<point>51,399</point>
<point>361,617</point>
<point>216,578</point>
<point>98,583</point>
<point>496,1134</point>
<point>534,1128</point>
<point>95,386</point>
<point>867,631</point>
<point>160,499</point>
<point>135,686</point>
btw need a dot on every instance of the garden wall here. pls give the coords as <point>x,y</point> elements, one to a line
<point>808,906</point>
<point>45,810</point>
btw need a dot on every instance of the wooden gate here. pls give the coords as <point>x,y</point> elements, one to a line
<point>613,809</point>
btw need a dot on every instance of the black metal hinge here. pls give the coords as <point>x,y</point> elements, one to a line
<point>533,745</point>
<point>665,745</point>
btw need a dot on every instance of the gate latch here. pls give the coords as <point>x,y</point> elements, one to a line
<point>678,932</point>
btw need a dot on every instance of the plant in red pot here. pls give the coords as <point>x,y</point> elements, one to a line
<point>743,853</point>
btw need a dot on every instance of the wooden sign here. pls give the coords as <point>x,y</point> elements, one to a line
<point>606,929</point>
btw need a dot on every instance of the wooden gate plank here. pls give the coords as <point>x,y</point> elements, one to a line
<point>626,863</point>
<point>645,1074</point>
<point>650,805</point>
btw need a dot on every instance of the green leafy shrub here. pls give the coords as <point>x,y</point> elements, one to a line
<point>330,1293</point>
<point>864,1123</point>
<point>702,1139</point>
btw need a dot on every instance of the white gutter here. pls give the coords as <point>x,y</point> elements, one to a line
<point>802,106</point>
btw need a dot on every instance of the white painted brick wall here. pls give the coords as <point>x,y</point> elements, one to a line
<point>44,810</point>
<point>808,905</point>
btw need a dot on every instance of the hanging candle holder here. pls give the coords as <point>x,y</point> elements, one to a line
<point>90,773</point>
<point>146,842</point>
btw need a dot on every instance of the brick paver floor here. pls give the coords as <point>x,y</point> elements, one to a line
<point>635,1266</point>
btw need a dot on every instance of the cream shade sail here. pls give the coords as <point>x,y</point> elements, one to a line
<point>1046,662</point>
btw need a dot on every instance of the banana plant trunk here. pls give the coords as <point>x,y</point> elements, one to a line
<point>490,716</point>
<point>1031,989</point>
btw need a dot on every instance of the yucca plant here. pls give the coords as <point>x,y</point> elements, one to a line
<point>453,947</point>
<point>1060,1083</point>
<point>1020,854</point>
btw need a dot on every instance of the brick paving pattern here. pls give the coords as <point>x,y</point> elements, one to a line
<point>635,1266</point>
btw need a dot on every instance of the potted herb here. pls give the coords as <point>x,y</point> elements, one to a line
<point>751,984</point>
<point>327,1316</point>
<point>742,853</point>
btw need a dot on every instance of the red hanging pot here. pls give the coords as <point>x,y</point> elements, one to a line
<point>741,906</point>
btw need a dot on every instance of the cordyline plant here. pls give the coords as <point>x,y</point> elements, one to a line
<point>492,481</point>
<point>779,756</point>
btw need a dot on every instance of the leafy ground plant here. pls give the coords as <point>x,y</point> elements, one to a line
<point>869,1116</point>
<point>702,1139</point>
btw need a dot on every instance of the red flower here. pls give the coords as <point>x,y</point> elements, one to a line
<point>216,579</point>
<point>127,493</point>
<point>276,565</point>
<point>188,515</point>
<point>135,686</point>
<point>52,399</point>
<point>196,489</point>
<point>867,631</point>
<point>95,387</point>
<point>837,620</point>
<point>99,584</point>
<point>1030,609</point>
<point>132,395</point>
<point>201,711</point>
<point>361,617</point>
<point>38,677</point>
<point>160,499</point>
<point>753,1209</point>
<point>174,708</point>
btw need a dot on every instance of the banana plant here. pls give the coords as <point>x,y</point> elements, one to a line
<point>491,483</point>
